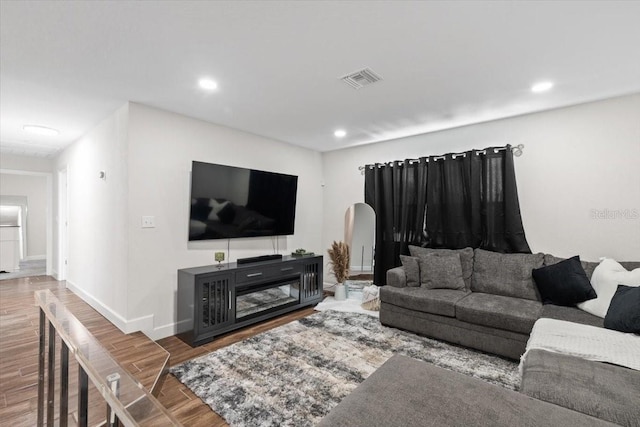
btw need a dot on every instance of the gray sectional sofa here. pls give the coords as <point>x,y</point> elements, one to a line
<point>495,312</point>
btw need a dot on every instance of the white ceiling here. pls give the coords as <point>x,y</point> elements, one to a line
<point>68,65</point>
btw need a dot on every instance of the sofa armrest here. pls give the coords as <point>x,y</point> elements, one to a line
<point>396,277</point>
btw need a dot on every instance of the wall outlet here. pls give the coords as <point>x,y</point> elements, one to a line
<point>148,222</point>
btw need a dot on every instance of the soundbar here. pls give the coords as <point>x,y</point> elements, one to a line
<point>260,258</point>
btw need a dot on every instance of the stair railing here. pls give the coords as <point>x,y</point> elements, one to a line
<point>127,402</point>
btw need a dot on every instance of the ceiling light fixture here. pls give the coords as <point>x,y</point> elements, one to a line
<point>340,133</point>
<point>208,84</point>
<point>541,87</point>
<point>41,130</point>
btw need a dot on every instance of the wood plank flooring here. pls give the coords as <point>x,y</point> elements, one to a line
<point>135,352</point>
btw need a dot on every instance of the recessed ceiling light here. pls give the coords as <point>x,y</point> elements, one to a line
<point>208,84</point>
<point>340,133</point>
<point>541,87</point>
<point>41,130</point>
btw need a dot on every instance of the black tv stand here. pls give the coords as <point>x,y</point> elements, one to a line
<point>260,258</point>
<point>216,299</point>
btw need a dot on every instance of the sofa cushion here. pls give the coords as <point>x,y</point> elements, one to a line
<point>570,314</point>
<point>498,311</point>
<point>630,265</point>
<point>588,266</point>
<point>441,271</point>
<point>563,283</point>
<point>466,259</point>
<point>505,274</point>
<point>624,311</point>
<point>435,301</point>
<point>411,266</point>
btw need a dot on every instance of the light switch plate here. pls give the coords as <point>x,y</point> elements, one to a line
<point>148,222</point>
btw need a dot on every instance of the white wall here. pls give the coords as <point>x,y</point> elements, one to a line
<point>162,146</point>
<point>575,160</point>
<point>98,240</point>
<point>26,163</point>
<point>34,188</point>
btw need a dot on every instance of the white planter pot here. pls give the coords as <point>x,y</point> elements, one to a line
<point>340,292</point>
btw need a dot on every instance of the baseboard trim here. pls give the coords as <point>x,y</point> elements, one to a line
<point>35,257</point>
<point>143,323</point>
<point>162,331</point>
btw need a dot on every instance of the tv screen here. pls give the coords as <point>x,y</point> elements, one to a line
<point>229,202</point>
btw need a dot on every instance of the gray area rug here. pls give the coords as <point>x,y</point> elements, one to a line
<point>295,374</point>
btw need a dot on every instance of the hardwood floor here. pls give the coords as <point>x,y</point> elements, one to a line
<point>135,352</point>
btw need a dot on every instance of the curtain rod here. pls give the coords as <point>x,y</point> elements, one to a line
<point>517,151</point>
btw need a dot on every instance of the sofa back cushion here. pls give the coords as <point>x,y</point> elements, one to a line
<point>466,259</point>
<point>586,265</point>
<point>506,274</point>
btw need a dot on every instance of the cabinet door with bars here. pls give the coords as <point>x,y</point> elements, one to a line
<point>312,281</point>
<point>216,302</point>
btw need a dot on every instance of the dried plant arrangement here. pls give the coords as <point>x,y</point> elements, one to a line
<point>340,258</point>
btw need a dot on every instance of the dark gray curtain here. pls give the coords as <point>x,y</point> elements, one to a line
<point>397,193</point>
<point>470,200</point>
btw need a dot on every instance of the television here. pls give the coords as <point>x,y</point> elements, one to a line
<point>229,202</point>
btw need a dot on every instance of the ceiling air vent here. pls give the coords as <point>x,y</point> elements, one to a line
<point>361,78</point>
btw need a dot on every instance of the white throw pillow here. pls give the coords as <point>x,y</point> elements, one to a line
<point>605,280</point>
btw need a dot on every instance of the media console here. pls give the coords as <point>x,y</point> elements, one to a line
<point>213,300</point>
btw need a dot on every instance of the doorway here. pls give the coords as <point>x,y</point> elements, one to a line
<point>32,191</point>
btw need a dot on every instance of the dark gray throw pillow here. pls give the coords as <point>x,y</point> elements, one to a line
<point>441,271</point>
<point>624,311</point>
<point>564,283</point>
<point>466,259</point>
<point>411,270</point>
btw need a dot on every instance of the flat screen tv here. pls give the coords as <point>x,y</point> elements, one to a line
<point>229,202</point>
